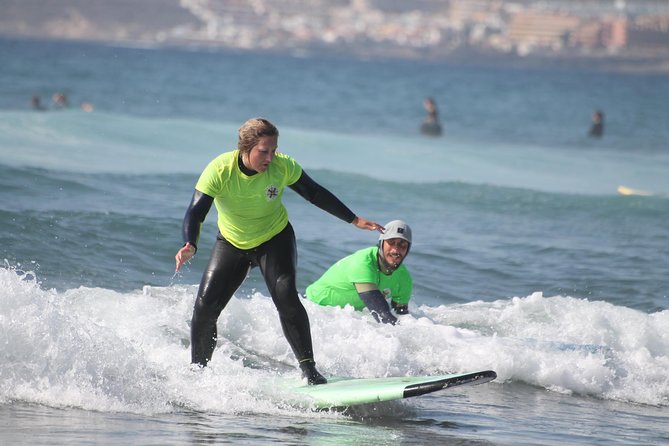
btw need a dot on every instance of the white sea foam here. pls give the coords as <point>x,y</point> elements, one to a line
<point>102,350</point>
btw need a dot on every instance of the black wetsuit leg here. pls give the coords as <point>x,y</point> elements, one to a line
<point>277,260</point>
<point>227,269</point>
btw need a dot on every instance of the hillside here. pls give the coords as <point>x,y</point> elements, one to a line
<point>93,19</point>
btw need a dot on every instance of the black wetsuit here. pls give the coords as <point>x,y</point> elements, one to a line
<point>229,265</point>
<point>597,130</point>
<point>431,124</point>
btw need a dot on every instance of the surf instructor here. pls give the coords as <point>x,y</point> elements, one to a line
<point>246,185</point>
<point>371,277</point>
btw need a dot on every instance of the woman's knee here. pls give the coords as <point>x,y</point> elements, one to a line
<point>287,300</point>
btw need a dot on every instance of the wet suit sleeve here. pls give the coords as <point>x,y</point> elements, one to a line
<point>375,302</point>
<point>321,197</point>
<point>195,215</point>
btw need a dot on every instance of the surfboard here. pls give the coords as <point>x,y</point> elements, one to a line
<point>624,190</point>
<point>346,392</point>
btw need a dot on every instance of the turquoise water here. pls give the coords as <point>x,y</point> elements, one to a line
<point>526,259</point>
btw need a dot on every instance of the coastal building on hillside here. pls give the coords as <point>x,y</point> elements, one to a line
<point>609,34</point>
<point>531,31</point>
<point>649,32</point>
<point>431,29</point>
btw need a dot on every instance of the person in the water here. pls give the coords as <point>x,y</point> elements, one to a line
<point>431,125</point>
<point>371,277</point>
<point>597,127</point>
<point>247,185</point>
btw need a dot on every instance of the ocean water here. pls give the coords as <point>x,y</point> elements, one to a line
<point>526,259</point>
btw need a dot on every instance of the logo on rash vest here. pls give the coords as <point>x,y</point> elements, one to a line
<point>271,192</point>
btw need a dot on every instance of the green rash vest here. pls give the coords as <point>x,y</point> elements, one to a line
<point>250,210</point>
<point>336,287</point>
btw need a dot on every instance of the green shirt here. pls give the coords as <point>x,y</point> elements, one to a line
<point>250,210</point>
<point>336,286</point>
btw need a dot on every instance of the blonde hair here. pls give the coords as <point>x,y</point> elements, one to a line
<point>252,130</point>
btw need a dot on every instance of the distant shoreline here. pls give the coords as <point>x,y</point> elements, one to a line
<point>641,64</point>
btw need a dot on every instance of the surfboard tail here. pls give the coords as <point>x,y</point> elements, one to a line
<point>460,380</point>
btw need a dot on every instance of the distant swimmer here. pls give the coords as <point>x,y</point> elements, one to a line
<point>37,104</point>
<point>597,128</point>
<point>373,277</point>
<point>87,107</point>
<point>246,185</point>
<point>59,100</point>
<point>431,125</point>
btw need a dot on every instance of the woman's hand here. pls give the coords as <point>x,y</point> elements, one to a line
<point>184,255</point>
<point>366,224</point>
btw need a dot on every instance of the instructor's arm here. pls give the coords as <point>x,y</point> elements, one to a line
<point>326,200</point>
